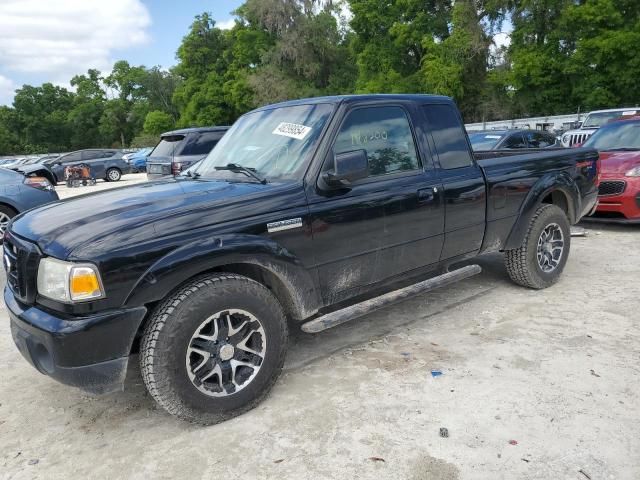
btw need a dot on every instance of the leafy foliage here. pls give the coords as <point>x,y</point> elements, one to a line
<point>563,55</point>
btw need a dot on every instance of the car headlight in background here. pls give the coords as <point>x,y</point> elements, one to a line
<point>634,172</point>
<point>68,282</point>
<point>40,183</point>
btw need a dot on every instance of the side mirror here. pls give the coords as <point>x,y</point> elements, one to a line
<point>348,167</point>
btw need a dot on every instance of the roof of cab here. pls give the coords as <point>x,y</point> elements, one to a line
<point>185,131</point>
<point>336,99</point>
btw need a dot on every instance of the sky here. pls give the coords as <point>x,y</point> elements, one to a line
<point>53,40</point>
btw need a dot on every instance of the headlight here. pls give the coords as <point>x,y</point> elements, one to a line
<point>634,172</point>
<point>68,282</point>
<point>38,182</point>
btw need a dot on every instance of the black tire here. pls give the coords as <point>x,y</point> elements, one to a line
<point>113,174</point>
<point>522,263</point>
<point>168,335</point>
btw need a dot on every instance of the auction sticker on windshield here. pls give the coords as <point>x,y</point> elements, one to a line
<point>292,130</point>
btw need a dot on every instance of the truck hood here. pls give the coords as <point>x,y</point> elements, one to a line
<point>91,224</point>
<point>619,162</point>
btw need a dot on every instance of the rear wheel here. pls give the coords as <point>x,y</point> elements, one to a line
<point>540,260</point>
<point>214,349</point>
<point>6,214</point>
<point>113,175</point>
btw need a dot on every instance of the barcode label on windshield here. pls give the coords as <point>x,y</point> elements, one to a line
<point>292,130</point>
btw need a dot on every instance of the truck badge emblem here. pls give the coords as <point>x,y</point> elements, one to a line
<point>284,225</point>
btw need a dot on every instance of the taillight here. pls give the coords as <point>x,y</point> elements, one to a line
<point>176,168</point>
<point>38,182</point>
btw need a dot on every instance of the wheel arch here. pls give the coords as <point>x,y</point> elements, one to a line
<point>258,258</point>
<point>555,188</point>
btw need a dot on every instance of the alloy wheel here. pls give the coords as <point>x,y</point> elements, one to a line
<point>226,352</point>
<point>550,248</point>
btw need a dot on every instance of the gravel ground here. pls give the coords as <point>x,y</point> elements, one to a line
<point>534,385</point>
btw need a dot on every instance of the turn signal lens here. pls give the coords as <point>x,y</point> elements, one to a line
<point>84,284</point>
<point>68,282</point>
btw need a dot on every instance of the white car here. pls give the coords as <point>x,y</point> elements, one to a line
<point>594,120</point>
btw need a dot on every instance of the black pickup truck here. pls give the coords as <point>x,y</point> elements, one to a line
<point>312,211</point>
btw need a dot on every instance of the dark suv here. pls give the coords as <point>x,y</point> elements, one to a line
<point>106,163</point>
<point>180,149</point>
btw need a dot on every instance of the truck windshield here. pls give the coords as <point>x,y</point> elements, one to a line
<point>616,136</point>
<point>275,144</point>
<point>596,120</point>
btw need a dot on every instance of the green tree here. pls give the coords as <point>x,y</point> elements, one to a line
<point>157,122</point>
<point>41,117</point>
<point>9,143</point>
<point>88,107</point>
<point>457,66</point>
<point>200,96</point>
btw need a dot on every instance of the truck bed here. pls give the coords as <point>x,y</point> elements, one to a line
<point>516,177</point>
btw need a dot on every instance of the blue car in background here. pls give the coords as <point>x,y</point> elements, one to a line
<point>20,192</point>
<point>138,160</point>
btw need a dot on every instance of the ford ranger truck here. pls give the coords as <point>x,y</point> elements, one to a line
<point>308,213</point>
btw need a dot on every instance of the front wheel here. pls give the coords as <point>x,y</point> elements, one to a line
<point>6,214</point>
<point>540,260</point>
<point>214,349</point>
<point>113,175</point>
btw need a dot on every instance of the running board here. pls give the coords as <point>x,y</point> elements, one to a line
<point>359,309</point>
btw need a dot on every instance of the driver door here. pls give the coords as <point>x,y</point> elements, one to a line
<point>384,225</point>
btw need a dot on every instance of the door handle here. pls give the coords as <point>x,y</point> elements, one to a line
<point>427,195</point>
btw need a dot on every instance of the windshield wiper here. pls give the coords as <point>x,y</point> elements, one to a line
<point>193,175</point>
<point>623,149</point>
<point>250,172</point>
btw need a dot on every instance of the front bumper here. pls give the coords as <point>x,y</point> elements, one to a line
<point>90,352</point>
<point>626,206</point>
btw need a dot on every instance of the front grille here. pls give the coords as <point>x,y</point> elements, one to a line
<point>577,138</point>
<point>21,261</point>
<point>615,187</point>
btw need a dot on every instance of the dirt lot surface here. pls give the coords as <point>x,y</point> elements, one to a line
<point>534,385</point>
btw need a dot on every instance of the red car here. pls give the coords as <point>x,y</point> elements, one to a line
<point>619,193</point>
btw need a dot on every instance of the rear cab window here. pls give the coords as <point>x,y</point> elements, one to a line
<point>448,136</point>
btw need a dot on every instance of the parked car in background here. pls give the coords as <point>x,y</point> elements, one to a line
<point>19,192</point>
<point>138,160</point>
<point>105,163</point>
<point>592,122</point>
<point>512,139</point>
<point>179,149</point>
<point>619,192</point>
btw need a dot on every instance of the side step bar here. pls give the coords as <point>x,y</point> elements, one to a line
<point>359,309</point>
